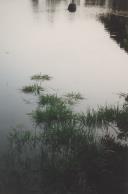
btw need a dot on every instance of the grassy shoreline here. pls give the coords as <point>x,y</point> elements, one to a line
<point>68,152</point>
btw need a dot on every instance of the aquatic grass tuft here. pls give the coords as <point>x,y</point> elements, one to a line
<point>72,98</point>
<point>50,99</point>
<point>75,96</point>
<point>41,77</point>
<point>58,113</point>
<point>32,89</point>
<point>101,117</point>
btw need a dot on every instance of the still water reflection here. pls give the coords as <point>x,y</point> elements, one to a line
<point>117,26</point>
<point>84,51</point>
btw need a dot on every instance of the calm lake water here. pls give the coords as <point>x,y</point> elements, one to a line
<point>84,51</point>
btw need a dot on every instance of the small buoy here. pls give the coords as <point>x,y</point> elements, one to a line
<point>72,7</point>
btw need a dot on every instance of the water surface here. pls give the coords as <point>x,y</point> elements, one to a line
<point>84,51</point>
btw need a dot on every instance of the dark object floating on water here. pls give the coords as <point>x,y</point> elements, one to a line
<point>72,7</point>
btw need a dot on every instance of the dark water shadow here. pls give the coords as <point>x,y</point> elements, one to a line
<point>117,26</point>
<point>119,5</point>
<point>95,2</point>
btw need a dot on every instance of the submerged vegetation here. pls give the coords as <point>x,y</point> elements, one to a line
<point>69,152</point>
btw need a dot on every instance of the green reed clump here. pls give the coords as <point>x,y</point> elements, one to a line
<point>36,89</point>
<point>51,114</point>
<point>101,117</point>
<point>72,98</point>
<point>53,108</point>
<point>41,77</point>
<point>50,99</point>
